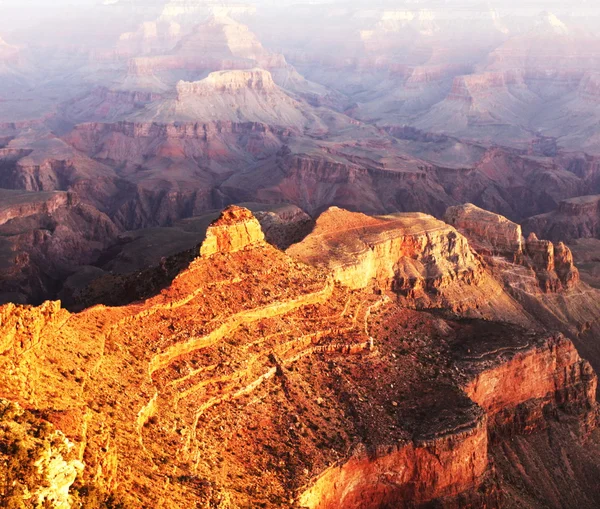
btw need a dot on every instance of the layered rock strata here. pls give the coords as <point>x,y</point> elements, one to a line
<point>575,218</point>
<point>492,234</point>
<point>254,379</point>
<point>424,260</point>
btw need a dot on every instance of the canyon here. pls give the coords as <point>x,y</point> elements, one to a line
<point>193,110</point>
<point>326,356</point>
<point>299,255</point>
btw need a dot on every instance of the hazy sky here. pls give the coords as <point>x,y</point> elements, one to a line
<point>24,20</point>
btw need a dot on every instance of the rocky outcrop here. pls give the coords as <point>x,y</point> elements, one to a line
<point>553,265</point>
<point>19,204</point>
<point>472,88</point>
<point>425,261</point>
<point>517,385</point>
<point>218,44</point>
<point>514,384</point>
<point>489,233</point>
<point>236,229</point>
<point>410,475</point>
<point>229,82</point>
<point>39,463</point>
<point>374,249</point>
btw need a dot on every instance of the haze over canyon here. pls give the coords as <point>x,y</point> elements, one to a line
<point>326,254</point>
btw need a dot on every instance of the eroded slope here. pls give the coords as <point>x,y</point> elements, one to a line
<point>255,380</point>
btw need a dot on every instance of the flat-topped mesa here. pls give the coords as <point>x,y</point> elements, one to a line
<point>230,82</point>
<point>580,205</point>
<point>404,251</point>
<point>574,218</point>
<point>234,230</point>
<point>426,262</point>
<point>553,264</point>
<point>488,233</point>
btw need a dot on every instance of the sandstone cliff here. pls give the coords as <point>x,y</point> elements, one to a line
<point>492,234</point>
<point>236,229</point>
<point>428,263</point>
<point>489,233</point>
<point>228,82</point>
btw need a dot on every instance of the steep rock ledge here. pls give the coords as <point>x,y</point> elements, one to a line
<point>517,383</point>
<point>228,82</point>
<point>235,229</point>
<point>425,261</point>
<point>408,475</point>
<point>492,234</point>
<point>575,218</point>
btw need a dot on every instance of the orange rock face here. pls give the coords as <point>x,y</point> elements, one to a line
<point>236,229</point>
<point>256,380</point>
<point>424,260</point>
<point>405,475</point>
<point>550,373</point>
<point>489,232</point>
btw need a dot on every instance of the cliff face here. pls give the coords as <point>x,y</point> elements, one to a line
<point>492,234</point>
<point>556,378</point>
<point>228,82</point>
<point>489,232</point>
<point>255,379</point>
<point>45,236</point>
<point>218,44</point>
<point>511,390</point>
<point>547,284</point>
<point>553,264</point>
<point>409,475</point>
<point>575,218</point>
<point>424,260</point>
<point>236,229</point>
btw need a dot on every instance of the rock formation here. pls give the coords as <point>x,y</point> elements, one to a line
<point>255,379</point>
<point>492,234</point>
<point>44,237</point>
<point>489,232</point>
<point>229,82</point>
<point>422,259</point>
<point>236,229</point>
<point>39,463</point>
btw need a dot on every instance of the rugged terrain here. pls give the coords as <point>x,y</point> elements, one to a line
<point>182,108</point>
<point>403,308</point>
<point>309,378</point>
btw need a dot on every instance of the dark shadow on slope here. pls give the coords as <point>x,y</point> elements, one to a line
<point>146,261</point>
